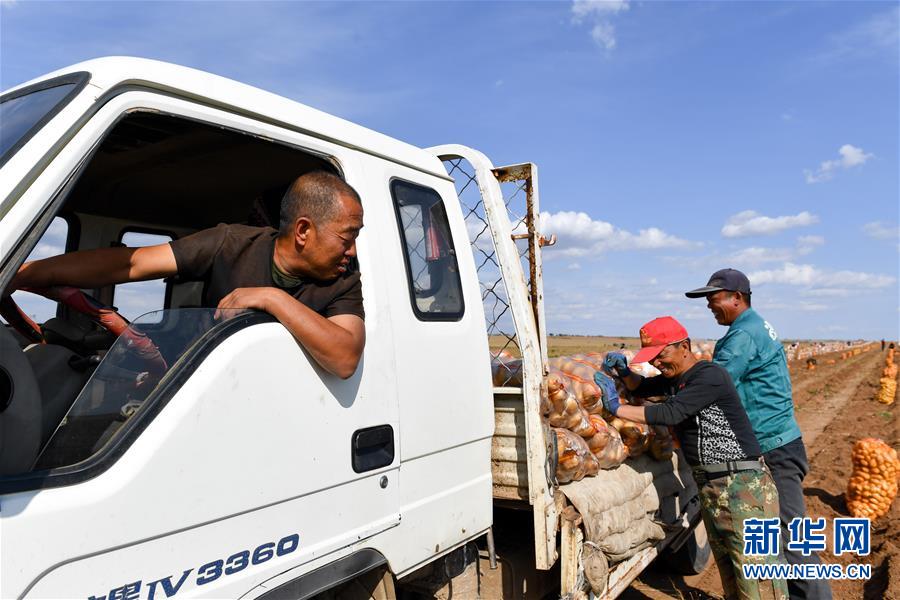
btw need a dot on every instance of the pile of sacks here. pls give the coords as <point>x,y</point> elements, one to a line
<point>588,437</point>
<point>625,479</point>
<point>627,509</point>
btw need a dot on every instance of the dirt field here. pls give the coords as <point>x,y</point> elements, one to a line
<point>563,345</point>
<point>835,406</point>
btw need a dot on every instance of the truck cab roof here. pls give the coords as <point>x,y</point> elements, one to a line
<point>109,73</point>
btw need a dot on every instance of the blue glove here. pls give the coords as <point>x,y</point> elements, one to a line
<point>615,363</point>
<point>608,394</point>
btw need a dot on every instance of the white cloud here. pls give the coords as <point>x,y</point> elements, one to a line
<point>810,276</point>
<point>878,35</point>
<point>44,250</point>
<point>793,306</point>
<point>573,267</point>
<point>811,306</point>
<point>827,293</point>
<point>585,8</point>
<point>881,231</point>
<point>580,235</point>
<point>750,222</point>
<point>755,256</point>
<point>808,243</point>
<point>599,12</point>
<point>851,156</point>
<point>53,241</point>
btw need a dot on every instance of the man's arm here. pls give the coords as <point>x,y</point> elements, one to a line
<point>735,354</point>
<point>97,268</point>
<point>336,343</point>
<point>632,413</point>
<point>642,387</point>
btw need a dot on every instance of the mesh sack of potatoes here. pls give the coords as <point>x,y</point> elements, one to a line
<point>873,482</point>
<point>887,390</point>
<point>506,369</point>
<point>612,452</point>
<point>564,409</point>
<point>575,459</point>
<point>636,436</point>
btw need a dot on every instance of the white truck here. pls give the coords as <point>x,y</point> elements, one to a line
<point>228,464</point>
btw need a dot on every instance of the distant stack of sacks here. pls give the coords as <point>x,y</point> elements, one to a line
<point>589,438</point>
<point>704,351</point>
<point>888,390</point>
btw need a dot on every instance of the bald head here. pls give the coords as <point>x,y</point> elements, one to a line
<point>315,196</point>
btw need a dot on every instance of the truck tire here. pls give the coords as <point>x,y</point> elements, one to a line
<point>693,556</point>
<point>377,584</point>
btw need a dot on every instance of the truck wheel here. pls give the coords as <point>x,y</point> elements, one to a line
<point>692,557</point>
<point>377,584</point>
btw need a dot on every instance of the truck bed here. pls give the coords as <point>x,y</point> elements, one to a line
<point>509,470</point>
<point>509,456</point>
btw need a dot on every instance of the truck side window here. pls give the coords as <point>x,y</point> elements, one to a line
<point>25,111</point>
<point>431,266</point>
<point>53,242</point>
<point>138,298</point>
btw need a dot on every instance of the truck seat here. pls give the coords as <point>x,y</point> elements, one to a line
<point>58,382</point>
<point>20,408</point>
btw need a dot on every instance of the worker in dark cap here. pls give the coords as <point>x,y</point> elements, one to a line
<point>755,359</point>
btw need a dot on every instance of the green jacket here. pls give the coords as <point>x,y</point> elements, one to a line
<point>755,359</point>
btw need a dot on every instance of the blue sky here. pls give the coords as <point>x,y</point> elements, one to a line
<point>673,138</point>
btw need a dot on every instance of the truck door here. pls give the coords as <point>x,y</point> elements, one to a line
<point>257,462</point>
<point>442,360</point>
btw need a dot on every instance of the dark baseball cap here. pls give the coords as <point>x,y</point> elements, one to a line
<point>725,279</point>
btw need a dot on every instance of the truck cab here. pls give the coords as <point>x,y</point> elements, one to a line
<point>197,454</point>
<point>243,461</point>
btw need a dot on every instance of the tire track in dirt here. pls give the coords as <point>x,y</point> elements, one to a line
<point>814,413</point>
<point>802,379</point>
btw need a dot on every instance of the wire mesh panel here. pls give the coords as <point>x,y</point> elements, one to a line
<point>498,317</point>
<point>500,207</point>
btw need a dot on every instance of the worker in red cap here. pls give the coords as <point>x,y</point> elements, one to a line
<point>718,442</point>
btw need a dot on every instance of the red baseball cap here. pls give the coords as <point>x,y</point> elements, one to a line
<point>656,335</point>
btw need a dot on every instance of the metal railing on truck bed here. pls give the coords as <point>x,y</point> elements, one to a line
<point>503,231</point>
<point>501,209</point>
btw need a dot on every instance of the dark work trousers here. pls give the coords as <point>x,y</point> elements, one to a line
<point>789,466</point>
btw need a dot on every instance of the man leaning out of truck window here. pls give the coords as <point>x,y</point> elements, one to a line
<point>716,438</point>
<point>302,273</point>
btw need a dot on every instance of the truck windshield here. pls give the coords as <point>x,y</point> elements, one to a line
<point>19,115</point>
<point>142,361</point>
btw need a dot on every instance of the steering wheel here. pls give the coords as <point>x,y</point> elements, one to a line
<point>105,316</point>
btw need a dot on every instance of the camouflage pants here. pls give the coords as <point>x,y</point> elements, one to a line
<point>725,503</point>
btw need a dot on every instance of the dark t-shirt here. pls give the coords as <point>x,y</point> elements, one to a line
<point>227,257</point>
<point>706,410</point>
